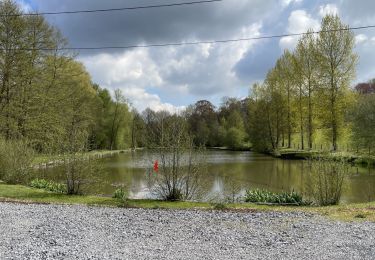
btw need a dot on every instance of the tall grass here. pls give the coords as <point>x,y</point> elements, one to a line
<point>48,185</point>
<point>264,196</point>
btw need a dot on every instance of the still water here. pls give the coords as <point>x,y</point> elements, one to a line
<point>246,169</point>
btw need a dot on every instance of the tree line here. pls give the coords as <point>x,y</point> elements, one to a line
<point>47,97</point>
<point>308,93</point>
<point>207,125</point>
<point>306,99</point>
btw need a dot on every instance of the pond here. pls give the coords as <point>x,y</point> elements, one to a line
<point>247,169</point>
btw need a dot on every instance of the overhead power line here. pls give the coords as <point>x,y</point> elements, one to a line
<point>116,9</point>
<point>206,42</point>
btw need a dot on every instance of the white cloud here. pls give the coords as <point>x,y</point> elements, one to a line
<point>288,42</point>
<point>25,7</point>
<point>199,70</point>
<point>141,100</point>
<point>285,3</point>
<point>360,38</point>
<point>299,21</point>
<point>132,72</point>
<point>331,9</point>
<point>214,63</point>
<point>134,67</point>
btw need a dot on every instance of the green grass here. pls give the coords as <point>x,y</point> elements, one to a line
<point>322,145</point>
<point>27,194</point>
<point>362,159</point>
<point>23,194</point>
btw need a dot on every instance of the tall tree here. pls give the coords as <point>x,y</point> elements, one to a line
<point>12,32</point>
<point>285,70</point>
<point>306,68</point>
<point>119,117</point>
<point>203,122</point>
<point>300,99</point>
<point>336,61</point>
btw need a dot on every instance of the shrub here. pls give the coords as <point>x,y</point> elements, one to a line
<point>79,172</point>
<point>326,181</point>
<point>15,161</point>
<point>48,185</point>
<point>264,196</point>
<point>180,165</point>
<point>174,195</point>
<point>235,138</point>
<point>122,195</point>
<point>219,206</point>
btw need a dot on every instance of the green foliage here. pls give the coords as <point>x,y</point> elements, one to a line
<point>363,121</point>
<point>48,185</point>
<point>225,126</point>
<point>120,193</point>
<point>202,134</point>
<point>305,91</point>
<point>47,97</point>
<point>203,122</point>
<point>235,138</point>
<point>219,206</point>
<point>336,62</point>
<point>15,161</point>
<point>258,134</point>
<point>79,172</point>
<point>264,196</point>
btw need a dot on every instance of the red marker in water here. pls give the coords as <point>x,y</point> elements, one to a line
<point>156,166</point>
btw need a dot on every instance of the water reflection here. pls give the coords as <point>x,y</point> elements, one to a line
<point>226,171</point>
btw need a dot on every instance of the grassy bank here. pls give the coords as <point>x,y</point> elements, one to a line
<point>18,193</point>
<point>244,148</point>
<point>46,159</point>
<point>350,157</point>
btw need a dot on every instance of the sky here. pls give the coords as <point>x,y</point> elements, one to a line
<point>171,78</point>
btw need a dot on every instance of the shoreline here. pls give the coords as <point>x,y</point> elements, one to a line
<point>351,158</point>
<point>50,161</point>
<point>27,195</point>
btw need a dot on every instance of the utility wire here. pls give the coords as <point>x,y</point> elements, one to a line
<point>114,9</point>
<point>205,42</point>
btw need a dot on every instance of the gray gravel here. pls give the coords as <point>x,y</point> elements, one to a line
<point>79,232</point>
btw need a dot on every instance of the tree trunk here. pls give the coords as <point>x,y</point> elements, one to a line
<point>310,126</point>
<point>289,123</point>
<point>133,134</point>
<point>333,114</point>
<point>301,119</point>
<point>113,134</point>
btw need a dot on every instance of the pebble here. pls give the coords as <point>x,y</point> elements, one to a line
<point>81,232</point>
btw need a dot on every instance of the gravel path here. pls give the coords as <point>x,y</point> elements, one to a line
<point>79,232</point>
